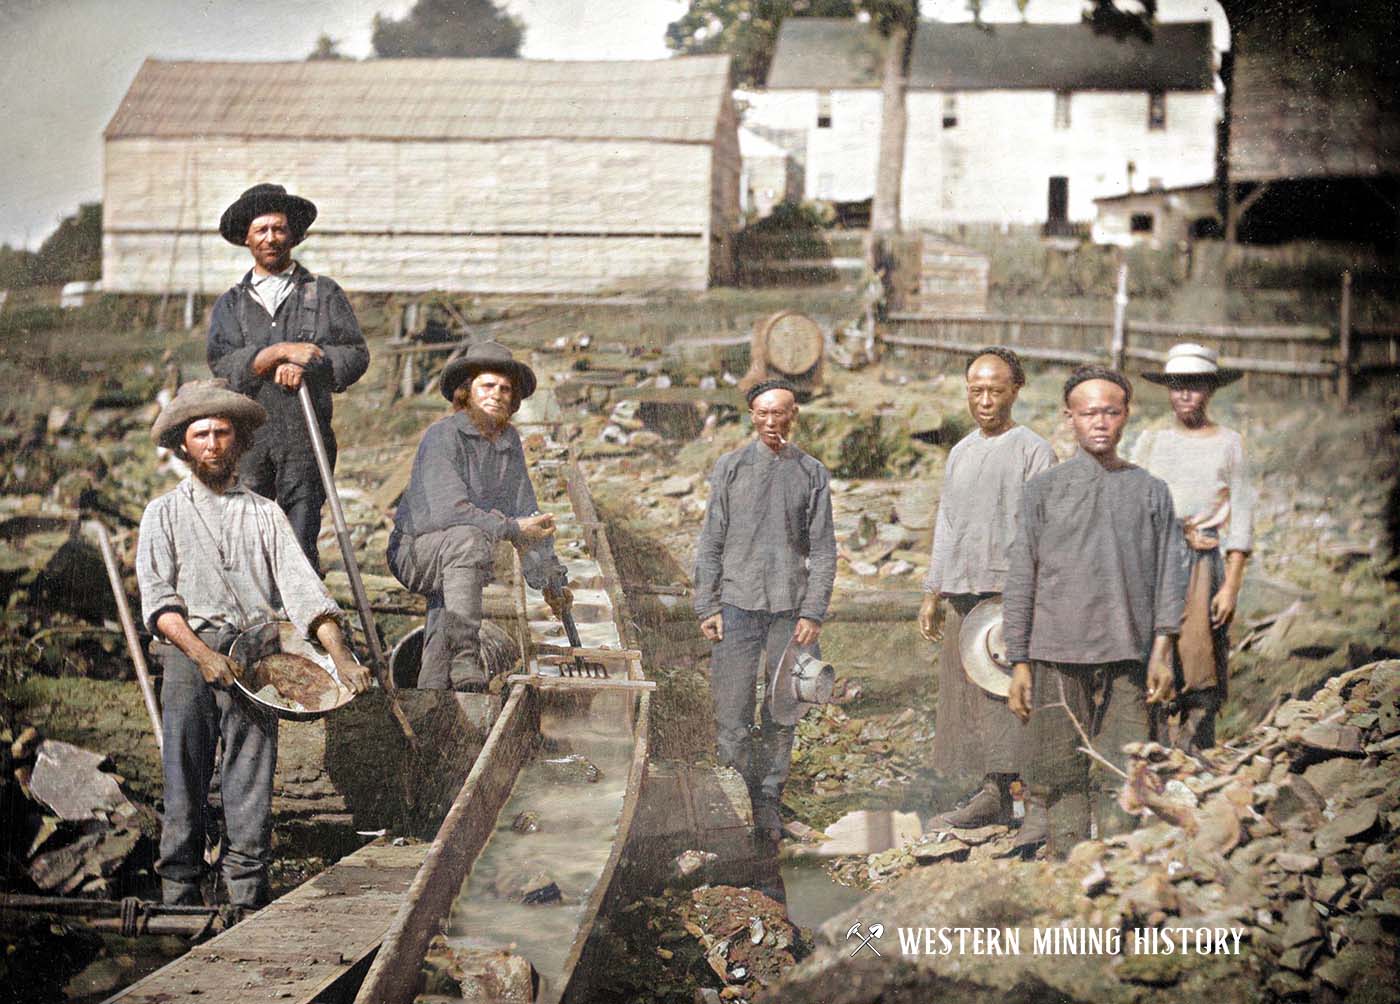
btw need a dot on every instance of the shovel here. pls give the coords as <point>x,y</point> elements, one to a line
<point>352,569</point>
<point>580,666</point>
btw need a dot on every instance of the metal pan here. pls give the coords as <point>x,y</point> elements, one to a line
<point>274,654</point>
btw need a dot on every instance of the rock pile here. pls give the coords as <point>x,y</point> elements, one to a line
<point>1290,842</point>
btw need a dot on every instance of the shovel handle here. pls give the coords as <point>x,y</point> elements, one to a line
<point>133,641</point>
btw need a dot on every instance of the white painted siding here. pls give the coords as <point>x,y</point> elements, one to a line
<point>994,166</point>
<point>514,216</point>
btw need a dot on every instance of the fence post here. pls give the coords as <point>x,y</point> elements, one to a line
<point>1119,342</point>
<point>1344,342</point>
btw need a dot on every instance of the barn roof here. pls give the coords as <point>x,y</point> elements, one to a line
<point>837,53</point>
<point>671,100</point>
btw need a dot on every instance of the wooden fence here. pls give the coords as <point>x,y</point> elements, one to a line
<point>1311,360</point>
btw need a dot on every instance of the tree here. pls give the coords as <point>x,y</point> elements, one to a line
<point>449,28</point>
<point>16,267</point>
<point>73,251</point>
<point>746,29</point>
<point>326,48</point>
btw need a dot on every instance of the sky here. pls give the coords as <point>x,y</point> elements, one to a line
<point>65,64</point>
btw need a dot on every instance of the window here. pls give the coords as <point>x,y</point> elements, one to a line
<point>1141,223</point>
<point>950,111</point>
<point>1157,110</point>
<point>824,110</point>
<point>1057,209</point>
<point>1062,109</point>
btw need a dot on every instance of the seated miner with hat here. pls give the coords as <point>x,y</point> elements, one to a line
<point>1204,466</point>
<point>278,327</point>
<point>765,565</point>
<point>469,491</point>
<point>1091,608</point>
<point>212,560</point>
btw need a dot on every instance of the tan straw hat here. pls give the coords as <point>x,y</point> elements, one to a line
<point>204,399</point>
<point>982,649</point>
<point>1189,362</point>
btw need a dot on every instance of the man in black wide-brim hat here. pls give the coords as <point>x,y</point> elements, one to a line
<point>470,490</point>
<point>278,327</point>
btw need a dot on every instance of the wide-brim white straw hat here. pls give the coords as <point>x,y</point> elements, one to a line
<point>1189,362</point>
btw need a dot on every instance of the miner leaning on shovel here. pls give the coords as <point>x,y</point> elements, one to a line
<point>469,490</point>
<point>278,327</point>
<point>764,569</point>
<point>213,559</point>
<point>975,732</point>
<point>1092,607</point>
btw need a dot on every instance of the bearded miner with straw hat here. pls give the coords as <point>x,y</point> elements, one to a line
<point>213,559</point>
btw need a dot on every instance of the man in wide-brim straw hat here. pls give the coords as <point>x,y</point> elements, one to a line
<point>469,491</point>
<point>278,328</point>
<point>1204,465</point>
<point>212,559</point>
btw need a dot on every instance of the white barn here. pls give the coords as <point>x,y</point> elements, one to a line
<point>1008,124</point>
<point>455,175</point>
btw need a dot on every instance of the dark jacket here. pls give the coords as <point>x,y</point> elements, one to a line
<point>240,328</point>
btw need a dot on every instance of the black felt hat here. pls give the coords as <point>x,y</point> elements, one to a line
<point>488,357</point>
<point>262,199</point>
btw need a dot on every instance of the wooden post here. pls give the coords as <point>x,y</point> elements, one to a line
<point>1119,339</point>
<point>1344,342</point>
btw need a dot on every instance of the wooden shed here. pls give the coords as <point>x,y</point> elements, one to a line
<point>952,278</point>
<point>458,175</point>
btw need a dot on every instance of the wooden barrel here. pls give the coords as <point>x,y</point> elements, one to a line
<point>792,342</point>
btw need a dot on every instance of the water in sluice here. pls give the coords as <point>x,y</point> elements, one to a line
<point>813,896</point>
<point>577,821</point>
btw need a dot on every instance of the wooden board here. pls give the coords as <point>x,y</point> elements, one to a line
<point>299,945</point>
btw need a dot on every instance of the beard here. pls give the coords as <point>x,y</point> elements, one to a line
<point>489,424</point>
<point>215,475</point>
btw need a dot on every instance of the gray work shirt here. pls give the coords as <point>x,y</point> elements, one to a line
<point>978,509</point>
<point>768,542</point>
<point>1093,577</point>
<point>461,478</point>
<point>227,560</point>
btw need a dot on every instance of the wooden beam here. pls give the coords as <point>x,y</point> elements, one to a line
<point>579,682</point>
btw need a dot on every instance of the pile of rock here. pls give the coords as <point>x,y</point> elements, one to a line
<point>73,828</point>
<point>1289,842</point>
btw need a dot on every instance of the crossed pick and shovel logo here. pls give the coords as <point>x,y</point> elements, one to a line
<point>876,932</point>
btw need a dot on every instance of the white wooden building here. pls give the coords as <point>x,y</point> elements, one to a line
<point>1008,124</point>
<point>459,175</point>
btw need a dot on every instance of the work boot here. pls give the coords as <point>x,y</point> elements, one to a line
<point>990,806</point>
<point>1035,827</point>
<point>467,675</point>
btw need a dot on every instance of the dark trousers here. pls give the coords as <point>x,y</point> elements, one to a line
<point>450,567</point>
<point>196,717</point>
<point>975,734</point>
<point>282,467</point>
<point>1110,702</point>
<point>752,638</point>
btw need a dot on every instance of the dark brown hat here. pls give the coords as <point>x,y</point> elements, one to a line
<point>204,399</point>
<point>260,200</point>
<point>488,357</point>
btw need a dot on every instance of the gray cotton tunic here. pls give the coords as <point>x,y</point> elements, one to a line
<point>227,560</point>
<point>1093,575</point>
<point>768,542</point>
<point>1200,471</point>
<point>978,509</point>
<point>461,478</point>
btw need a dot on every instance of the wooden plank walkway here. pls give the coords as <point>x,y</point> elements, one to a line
<point>298,946</point>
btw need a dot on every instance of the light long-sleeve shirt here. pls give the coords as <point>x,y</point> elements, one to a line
<point>1093,575</point>
<point>224,560</point>
<point>768,542</point>
<point>1201,471</point>
<point>978,509</point>
<point>461,478</point>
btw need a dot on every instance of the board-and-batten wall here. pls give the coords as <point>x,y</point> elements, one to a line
<point>535,215</point>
